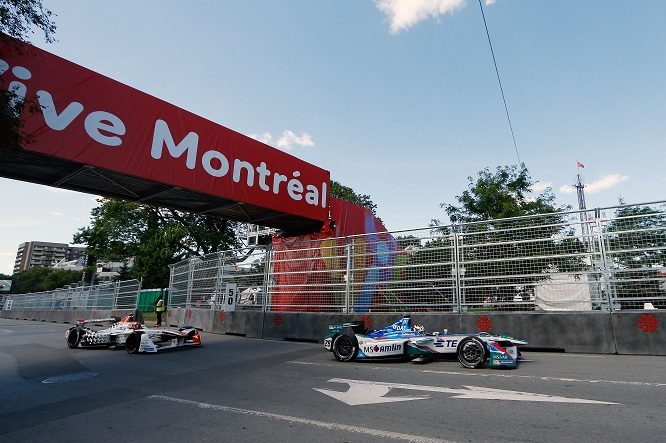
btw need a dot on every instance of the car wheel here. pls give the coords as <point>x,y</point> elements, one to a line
<point>472,352</point>
<point>345,347</point>
<point>73,337</point>
<point>132,343</point>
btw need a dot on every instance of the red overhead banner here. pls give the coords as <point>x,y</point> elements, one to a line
<point>91,119</point>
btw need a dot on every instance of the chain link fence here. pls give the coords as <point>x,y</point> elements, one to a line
<point>601,259</point>
<point>117,295</point>
<point>200,282</point>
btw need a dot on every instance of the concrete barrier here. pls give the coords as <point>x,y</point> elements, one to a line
<point>571,332</point>
<point>175,317</point>
<point>624,332</point>
<point>300,326</point>
<point>245,323</point>
<point>640,332</point>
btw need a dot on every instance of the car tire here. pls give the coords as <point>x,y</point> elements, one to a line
<point>73,338</point>
<point>345,347</point>
<point>132,343</point>
<point>472,352</point>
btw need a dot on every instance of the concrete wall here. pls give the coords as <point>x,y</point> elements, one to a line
<point>622,332</point>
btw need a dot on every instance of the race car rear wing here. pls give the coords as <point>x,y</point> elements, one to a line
<point>356,326</point>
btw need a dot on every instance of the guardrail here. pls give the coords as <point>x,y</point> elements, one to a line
<point>116,295</point>
<point>602,259</point>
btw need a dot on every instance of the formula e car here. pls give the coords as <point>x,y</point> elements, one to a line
<point>134,336</point>
<point>350,341</point>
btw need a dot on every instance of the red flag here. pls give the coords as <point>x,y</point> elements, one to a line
<point>580,165</point>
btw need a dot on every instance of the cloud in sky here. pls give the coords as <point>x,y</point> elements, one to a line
<point>539,187</point>
<point>287,141</point>
<point>607,182</point>
<point>610,181</point>
<point>403,14</point>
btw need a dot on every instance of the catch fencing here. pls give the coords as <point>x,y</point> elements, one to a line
<point>116,295</point>
<point>602,259</point>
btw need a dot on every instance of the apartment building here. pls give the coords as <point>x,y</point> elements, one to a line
<point>34,254</point>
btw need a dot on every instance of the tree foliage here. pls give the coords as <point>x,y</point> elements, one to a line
<point>347,193</point>
<point>18,19</point>
<point>44,279</point>
<point>502,194</point>
<point>154,237</point>
<point>636,246</point>
<point>501,255</point>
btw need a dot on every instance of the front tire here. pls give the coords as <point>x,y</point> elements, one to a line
<point>345,347</point>
<point>73,338</point>
<point>472,353</point>
<point>132,343</point>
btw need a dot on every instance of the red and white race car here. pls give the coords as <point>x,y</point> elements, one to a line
<point>134,336</point>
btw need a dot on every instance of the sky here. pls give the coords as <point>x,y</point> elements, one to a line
<point>398,99</point>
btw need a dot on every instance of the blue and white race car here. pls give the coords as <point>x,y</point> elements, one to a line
<point>350,341</point>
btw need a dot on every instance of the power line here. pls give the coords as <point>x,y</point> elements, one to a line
<point>506,108</point>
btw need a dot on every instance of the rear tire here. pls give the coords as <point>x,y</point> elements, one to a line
<point>345,347</point>
<point>472,352</point>
<point>73,338</point>
<point>132,343</point>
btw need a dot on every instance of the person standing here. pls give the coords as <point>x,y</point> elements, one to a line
<point>159,308</point>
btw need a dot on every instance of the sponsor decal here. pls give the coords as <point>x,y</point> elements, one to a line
<point>328,343</point>
<point>441,343</point>
<point>382,349</point>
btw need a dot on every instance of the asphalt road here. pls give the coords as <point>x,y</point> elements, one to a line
<point>239,389</point>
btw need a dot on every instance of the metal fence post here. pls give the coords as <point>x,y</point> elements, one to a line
<point>190,283</point>
<point>116,292</point>
<point>455,271</point>
<point>605,265</point>
<point>349,250</point>
<point>266,286</point>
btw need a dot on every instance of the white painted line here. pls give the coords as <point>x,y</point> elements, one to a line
<point>485,374</point>
<point>362,392</point>
<point>7,331</point>
<point>379,433</point>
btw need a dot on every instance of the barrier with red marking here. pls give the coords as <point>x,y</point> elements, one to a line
<point>648,323</point>
<point>484,323</point>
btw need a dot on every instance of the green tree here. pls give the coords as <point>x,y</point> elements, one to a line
<point>347,193</point>
<point>501,258</point>
<point>154,237</point>
<point>18,19</point>
<point>636,245</point>
<point>44,279</point>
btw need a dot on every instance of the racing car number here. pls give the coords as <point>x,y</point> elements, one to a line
<point>328,343</point>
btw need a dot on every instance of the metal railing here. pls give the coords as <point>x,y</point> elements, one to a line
<point>600,259</point>
<point>117,295</point>
<point>200,281</point>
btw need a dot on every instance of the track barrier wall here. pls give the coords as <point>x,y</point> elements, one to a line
<point>579,281</point>
<point>623,332</point>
